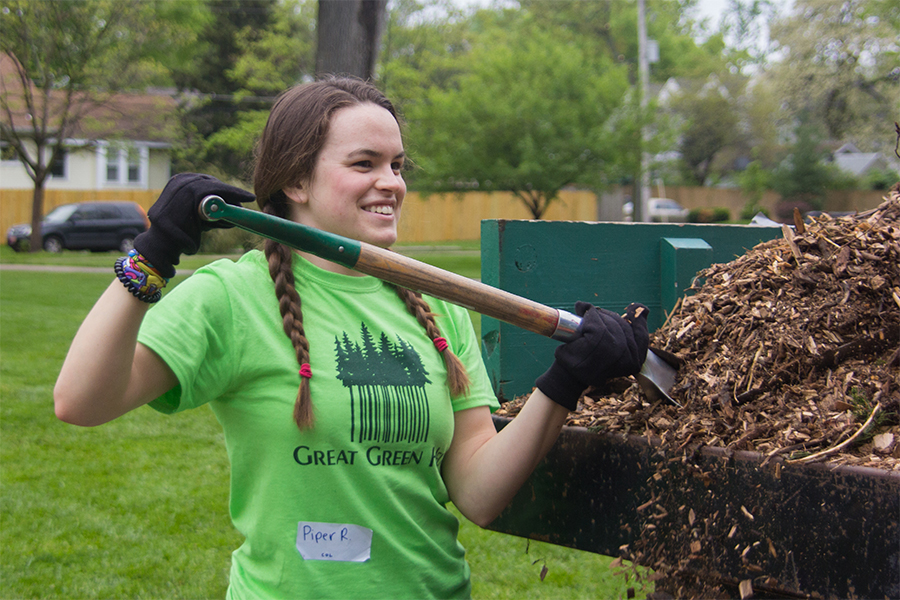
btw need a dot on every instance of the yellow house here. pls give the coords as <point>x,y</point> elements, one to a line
<point>119,149</point>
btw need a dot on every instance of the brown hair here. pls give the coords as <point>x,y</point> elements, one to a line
<point>285,157</point>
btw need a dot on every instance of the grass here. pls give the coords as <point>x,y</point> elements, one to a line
<point>138,508</point>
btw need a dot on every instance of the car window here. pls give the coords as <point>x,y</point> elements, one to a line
<point>88,213</point>
<point>61,213</point>
<point>109,212</point>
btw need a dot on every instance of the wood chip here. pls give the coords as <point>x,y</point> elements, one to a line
<point>782,365</point>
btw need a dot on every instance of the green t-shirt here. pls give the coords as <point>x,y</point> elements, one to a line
<point>355,506</point>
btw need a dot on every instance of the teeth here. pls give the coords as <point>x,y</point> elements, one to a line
<point>381,210</point>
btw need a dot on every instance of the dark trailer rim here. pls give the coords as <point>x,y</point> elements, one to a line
<point>714,517</point>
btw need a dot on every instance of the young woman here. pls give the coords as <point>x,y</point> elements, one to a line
<point>353,411</point>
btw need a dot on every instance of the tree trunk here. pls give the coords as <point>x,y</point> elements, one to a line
<point>349,33</point>
<point>37,215</point>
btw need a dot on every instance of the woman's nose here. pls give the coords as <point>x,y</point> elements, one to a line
<point>388,179</point>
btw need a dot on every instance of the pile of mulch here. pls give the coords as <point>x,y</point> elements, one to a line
<point>791,350</point>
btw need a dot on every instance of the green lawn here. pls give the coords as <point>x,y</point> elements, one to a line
<point>137,508</point>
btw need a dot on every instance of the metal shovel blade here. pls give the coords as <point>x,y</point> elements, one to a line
<point>657,378</point>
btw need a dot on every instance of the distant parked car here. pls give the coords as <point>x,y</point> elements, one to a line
<point>95,226</point>
<point>659,210</point>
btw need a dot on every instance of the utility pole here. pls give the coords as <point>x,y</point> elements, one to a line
<point>641,201</point>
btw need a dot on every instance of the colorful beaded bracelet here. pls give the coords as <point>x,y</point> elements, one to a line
<point>140,278</point>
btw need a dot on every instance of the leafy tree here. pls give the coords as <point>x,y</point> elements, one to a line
<point>764,118</point>
<point>710,126</point>
<point>754,181</point>
<point>803,178</point>
<point>267,62</point>
<point>524,114</point>
<point>743,26</point>
<point>422,46</point>
<point>215,84</point>
<point>609,27</point>
<point>69,59</point>
<point>840,66</point>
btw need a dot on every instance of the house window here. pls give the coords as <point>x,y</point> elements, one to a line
<point>134,165</point>
<point>126,166</point>
<point>112,166</point>
<point>58,166</point>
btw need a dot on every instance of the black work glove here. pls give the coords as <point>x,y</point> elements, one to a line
<point>607,346</point>
<point>175,223</point>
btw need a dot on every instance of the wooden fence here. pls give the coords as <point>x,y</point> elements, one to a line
<point>447,217</point>
<point>734,200</point>
<point>433,218</point>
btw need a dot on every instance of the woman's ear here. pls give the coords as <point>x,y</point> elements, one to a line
<point>296,194</point>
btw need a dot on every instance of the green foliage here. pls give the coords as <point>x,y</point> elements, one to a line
<point>711,125</point>
<point>610,29</point>
<point>753,181</point>
<point>276,57</point>
<point>98,46</point>
<point>804,177</point>
<point>524,114</point>
<point>237,142</point>
<point>252,50</point>
<point>840,67</point>
<point>881,179</point>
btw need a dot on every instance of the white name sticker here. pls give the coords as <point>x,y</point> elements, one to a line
<point>334,541</point>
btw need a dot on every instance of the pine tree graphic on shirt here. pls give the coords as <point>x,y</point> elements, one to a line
<point>387,388</point>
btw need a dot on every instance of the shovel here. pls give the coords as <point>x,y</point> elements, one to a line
<point>656,377</point>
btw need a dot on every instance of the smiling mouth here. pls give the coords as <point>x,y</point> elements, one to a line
<point>381,210</point>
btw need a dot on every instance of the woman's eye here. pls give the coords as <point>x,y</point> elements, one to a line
<point>397,166</point>
<point>365,164</point>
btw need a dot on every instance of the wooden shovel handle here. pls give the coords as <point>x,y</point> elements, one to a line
<point>482,298</point>
<point>400,270</point>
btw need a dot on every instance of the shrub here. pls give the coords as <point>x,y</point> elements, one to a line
<point>716,214</point>
<point>751,209</point>
<point>880,179</point>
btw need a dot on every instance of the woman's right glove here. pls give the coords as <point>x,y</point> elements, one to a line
<point>607,346</point>
<point>175,223</point>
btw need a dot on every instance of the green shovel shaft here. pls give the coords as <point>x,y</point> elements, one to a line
<point>329,246</point>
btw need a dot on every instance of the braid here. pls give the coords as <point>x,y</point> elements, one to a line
<point>457,377</point>
<point>281,271</point>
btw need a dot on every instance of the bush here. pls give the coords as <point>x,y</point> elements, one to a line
<point>880,179</point>
<point>716,214</point>
<point>751,209</point>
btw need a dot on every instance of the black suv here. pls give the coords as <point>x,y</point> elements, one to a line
<point>93,226</point>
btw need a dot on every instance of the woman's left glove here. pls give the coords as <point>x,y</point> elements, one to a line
<point>607,346</point>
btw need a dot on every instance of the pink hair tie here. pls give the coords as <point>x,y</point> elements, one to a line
<point>305,370</point>
<point>440,343</point>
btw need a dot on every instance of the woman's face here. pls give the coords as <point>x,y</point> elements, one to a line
<point>356,189</point>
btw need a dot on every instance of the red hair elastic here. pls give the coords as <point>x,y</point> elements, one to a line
<point>440,343</point>
<point>305,370</point>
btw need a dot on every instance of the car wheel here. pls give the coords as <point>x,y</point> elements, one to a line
<point>126,245</point>
<point>53,244</point>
